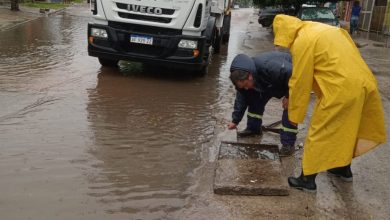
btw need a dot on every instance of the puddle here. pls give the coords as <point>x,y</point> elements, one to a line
<point>230,150</point>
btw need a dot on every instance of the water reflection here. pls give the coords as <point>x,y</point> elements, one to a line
<point>143,129</point>
<point>147,133</point>
<point>34,50</point>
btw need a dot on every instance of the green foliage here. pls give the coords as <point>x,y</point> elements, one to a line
<point>244,3</point>
<point>296,3</point>
<point>43,5</point>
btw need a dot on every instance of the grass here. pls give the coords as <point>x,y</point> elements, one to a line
<point>55,6</point>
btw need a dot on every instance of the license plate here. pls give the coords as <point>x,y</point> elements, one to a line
<point>141,39</point>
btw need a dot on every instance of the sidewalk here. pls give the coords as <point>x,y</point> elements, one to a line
<point>363,38</point>
<point>367,196</point>
<point>376,54</point>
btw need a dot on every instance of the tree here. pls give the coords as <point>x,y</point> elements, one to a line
<point>243,3</point>
<point>14,5</point>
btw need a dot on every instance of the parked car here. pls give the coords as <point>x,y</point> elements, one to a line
<point>236,6</point>
<point>318,14</point>
<point>267,15</point>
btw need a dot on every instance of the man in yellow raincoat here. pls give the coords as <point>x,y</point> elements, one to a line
<point>348,117</point>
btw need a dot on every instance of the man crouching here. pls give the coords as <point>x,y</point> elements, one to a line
<point>257,80</point>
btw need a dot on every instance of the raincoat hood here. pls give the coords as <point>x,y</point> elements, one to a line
<point>285,30</point>
<point>243,62</point>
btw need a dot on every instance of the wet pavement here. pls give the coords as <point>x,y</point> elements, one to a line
<point>10,19</point>
<point>249,169</point>
<point>79,141</point>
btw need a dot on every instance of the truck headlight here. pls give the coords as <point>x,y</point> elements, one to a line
<point>97,32</point>
<point>188,44</point>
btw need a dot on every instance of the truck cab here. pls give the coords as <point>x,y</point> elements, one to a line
<point>177,33</point>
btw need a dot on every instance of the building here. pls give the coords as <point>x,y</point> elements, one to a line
<point>374,16</point>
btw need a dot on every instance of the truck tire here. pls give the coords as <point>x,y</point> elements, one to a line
<point>217,42</point>
<point>203,71</point>
<point>108,63</point>
<point>226,29</point>
<point>210,30</point>
<point>206,58</point>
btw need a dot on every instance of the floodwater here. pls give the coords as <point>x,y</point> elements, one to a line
<point>78,141</point>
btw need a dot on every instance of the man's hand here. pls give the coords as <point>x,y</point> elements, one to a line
<point>285,103</point>
<point>231,126</point>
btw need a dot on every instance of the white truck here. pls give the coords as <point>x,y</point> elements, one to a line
<point>177,33</point>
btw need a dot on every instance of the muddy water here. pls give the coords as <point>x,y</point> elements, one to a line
<point>78,141</point>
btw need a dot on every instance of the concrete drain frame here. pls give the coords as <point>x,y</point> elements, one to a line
<point>249,169</point>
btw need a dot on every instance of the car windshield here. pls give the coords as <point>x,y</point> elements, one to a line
<point>317,14</point>
<point>271,11</point>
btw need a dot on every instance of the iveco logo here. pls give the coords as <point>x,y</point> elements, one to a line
<point>144,9</point>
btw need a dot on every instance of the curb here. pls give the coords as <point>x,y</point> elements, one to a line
<point>57,11</point>
<point>360,44</point>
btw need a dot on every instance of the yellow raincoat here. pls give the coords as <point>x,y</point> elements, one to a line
<point>348,117</point>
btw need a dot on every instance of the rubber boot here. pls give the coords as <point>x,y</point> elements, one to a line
<point>305,183</point>
<point>345,173</point>
<point>248,133</point>
<point>286,150</point>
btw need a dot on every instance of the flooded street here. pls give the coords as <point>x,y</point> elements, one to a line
<point>81,140</point>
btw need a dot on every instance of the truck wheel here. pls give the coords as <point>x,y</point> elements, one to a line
<point>203,71</point>
<point>226,29</point>
<point>217,42</point>
<point>225,38</point>
<point>108,63</point>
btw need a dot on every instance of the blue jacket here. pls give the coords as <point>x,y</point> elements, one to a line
<point>271,72</point>
<point>356,11</point>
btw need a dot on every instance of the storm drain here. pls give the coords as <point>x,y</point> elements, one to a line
<point>249,169</point>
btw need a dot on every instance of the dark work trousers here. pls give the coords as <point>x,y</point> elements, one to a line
<point>288,136</point>
<point>256,105</point>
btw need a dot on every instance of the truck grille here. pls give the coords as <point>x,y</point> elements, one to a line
<point>148,13</point>
<point>144,17</point>
<point>134,28</point>
<point>165,11</point>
